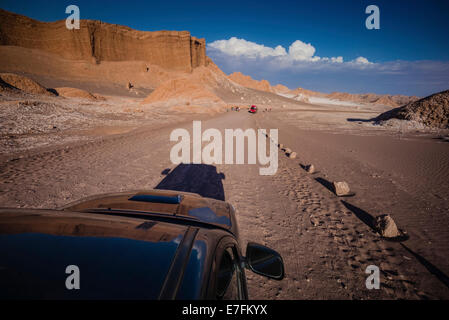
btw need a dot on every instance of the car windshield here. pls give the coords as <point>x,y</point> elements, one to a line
<point>117,257</point>
<point>34,266</point>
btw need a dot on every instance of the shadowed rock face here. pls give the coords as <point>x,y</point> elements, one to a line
<point>433,111</point>
<point>98,41</point>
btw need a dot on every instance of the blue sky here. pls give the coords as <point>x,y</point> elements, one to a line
<point>408,55</point>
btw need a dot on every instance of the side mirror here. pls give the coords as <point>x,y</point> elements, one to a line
<point>264,261</point>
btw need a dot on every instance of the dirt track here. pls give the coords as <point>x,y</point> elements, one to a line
<point>325,244</point>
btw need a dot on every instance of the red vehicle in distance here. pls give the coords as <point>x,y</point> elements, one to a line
<point>253,109</point>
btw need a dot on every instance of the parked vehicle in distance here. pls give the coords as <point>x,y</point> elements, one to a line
<point>155,244</point>
<point>253,109</point>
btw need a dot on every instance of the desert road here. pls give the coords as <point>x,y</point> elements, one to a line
<point>326,241</point>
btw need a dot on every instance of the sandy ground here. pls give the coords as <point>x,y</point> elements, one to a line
<point>325,240</point>
<point>397,173</point>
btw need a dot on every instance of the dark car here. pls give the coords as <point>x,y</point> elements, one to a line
<point>253,109</point>
<point>137,245</point>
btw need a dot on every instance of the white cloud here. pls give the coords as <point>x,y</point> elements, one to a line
<point>337,59</point>
<point>298,50</point>
<point>241,47</point>
<point>333,59</point>
<point>299,66</point>
<point>362,60</point>
<point>301,51</point>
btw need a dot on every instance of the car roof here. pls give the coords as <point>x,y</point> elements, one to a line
<point>118,257</point>
<point>166,203</point>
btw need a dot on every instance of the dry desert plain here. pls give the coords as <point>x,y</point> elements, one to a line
<point>56,151</point>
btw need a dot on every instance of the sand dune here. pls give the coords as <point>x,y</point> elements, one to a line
<point>204,86</point>
<point>182,91</point>
<point>77,93</point>
<point>24,84</point>
<point>11,82</point>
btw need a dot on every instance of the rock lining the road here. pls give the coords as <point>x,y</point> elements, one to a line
<point>310,168</point>
<point>341,188</point>
<point>387,227</point>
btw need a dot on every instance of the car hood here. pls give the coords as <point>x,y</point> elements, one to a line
<point>192,206</point>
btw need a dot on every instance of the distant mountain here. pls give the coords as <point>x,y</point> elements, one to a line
<point>249,82</point>
<point>387,100</point>
<point>280,89</point>
<point>302,94</point>
<point>305,92</point>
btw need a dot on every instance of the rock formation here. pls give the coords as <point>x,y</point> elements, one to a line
<point>23,83</point>
<point>249,82</point>
<point>98,41</point>
<point>103,52</point>
<point>432,111</point>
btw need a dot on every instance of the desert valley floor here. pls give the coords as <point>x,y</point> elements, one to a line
<point>326,241</point>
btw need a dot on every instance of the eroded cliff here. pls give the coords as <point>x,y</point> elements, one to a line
<point>98,41</point>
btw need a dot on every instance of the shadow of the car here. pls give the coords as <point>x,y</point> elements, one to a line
<point>202,179</point>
